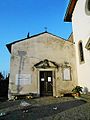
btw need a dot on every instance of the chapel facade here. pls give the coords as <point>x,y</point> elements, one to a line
<point>43,65</point>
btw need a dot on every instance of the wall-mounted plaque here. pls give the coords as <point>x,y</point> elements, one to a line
<point>23,79</point>
<point>67,74</point>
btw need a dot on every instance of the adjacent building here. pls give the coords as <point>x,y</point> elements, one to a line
<point>78,12</point>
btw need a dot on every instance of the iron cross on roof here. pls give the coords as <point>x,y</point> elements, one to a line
<point>45,29</point>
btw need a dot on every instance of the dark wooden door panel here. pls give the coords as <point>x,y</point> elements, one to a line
<point>46,84</point>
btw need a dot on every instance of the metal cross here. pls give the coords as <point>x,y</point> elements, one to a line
<point>45,29</point>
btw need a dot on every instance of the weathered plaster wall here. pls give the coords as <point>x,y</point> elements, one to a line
<point>44,46</point>
<point>81,32</point>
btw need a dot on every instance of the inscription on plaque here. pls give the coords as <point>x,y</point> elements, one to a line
<point>23,79</point>
<point>66,74</point>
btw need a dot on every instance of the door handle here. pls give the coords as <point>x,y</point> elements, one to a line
<point>46,86</point>
<point>51,84</point>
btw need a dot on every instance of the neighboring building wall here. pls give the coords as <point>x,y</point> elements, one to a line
<point>36,49</point>
<point>81,32</point>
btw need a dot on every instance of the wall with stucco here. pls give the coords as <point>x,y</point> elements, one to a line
<point>36,49</point>
<point>81,32</point>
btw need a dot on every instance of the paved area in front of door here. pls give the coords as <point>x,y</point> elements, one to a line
<point>41,111</point>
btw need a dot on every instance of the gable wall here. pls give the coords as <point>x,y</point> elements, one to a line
<point>37,49</point>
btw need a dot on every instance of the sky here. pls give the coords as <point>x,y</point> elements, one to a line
<point>18,17</point>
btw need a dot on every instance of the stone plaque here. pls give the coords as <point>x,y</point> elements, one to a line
<point>67,74</point>
<point>23,79</point>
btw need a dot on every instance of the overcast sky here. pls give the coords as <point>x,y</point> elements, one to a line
<point>18,17</point>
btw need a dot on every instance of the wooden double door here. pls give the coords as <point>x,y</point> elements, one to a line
<point>46,83</point>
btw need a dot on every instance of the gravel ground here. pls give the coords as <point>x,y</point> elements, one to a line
<point>51,111</point>
<point>79,113</point>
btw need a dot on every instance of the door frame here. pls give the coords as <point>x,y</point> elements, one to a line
<point>53,79</point>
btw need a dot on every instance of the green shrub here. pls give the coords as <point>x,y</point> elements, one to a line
<point>77,89</point>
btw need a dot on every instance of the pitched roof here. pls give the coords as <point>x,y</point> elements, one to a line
<point>69,11</point>
<point>10,44</point>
